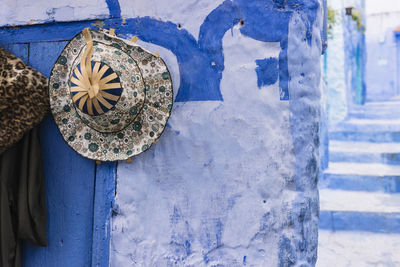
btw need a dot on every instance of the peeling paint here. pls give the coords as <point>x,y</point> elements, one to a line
<point>230,183</point>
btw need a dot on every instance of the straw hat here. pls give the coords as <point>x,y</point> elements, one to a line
<point>110,98</point>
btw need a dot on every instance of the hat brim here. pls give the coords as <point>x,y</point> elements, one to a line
<point>136,137</point>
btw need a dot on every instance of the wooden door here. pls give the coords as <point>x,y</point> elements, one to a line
<point>79,193</point>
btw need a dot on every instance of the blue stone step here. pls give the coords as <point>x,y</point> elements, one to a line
<point>374,115</point>
<point>377,110</point>
<point>385,158</point>
<point>360,221</point>
<point>368,125</point>
<point>368,177</point>
<point>365,136</point>
<point>359,211</point>
<point>366,130</point>
<point>364,152</point>
<point>354,182</point>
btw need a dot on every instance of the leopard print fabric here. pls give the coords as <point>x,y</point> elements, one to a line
<point>24,99</point>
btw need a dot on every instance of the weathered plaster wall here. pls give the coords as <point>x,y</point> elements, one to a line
<point>24,12</point>
<point>231,182</point>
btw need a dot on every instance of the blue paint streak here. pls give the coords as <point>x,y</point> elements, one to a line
<point>181,238</point>
<point>211,234</point>
<point>287,254</point>
<point>200,85</point>
<point>310,9</point>
<point>187,247</point>
<point>388,223</point>
<point>267,71</point>
<point>263,22</point>
<point>324,32</point>
<point>114,8</point>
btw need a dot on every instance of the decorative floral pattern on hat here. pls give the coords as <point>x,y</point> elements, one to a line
<point>134,114</point>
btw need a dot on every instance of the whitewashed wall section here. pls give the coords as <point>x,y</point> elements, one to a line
<point>232,182</point>
<point>24,12</point>
<point>335,68</point>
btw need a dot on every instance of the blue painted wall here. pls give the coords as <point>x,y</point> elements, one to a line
<point>204,194</point>
<point>382,68</point>
<point>382,57</point>
<point>262,158</point>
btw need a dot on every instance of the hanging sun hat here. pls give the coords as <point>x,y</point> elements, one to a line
<point>110,98</point>
<point>24,99</point>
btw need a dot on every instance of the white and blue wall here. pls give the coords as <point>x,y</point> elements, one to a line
<point>383,50</point>
<point>334,65</point>
<point>345,61</point>
<point>233,179</point>
<point>358,226</point>
<point>363,65</point>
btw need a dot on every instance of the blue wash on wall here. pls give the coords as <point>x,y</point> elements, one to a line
<point>266,21</point>
<point>262,21</point>
<point>305,127</point>
<point>267,71</point>
<point>382,66</point>
<point>114,8</point>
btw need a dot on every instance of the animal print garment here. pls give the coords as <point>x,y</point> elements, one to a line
<point>24,98</point>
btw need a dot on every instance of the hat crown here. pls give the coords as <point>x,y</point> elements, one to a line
<point>98,93</point>
<point>111,108</point>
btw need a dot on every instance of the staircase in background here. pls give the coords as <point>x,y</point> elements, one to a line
<point>360,190</point>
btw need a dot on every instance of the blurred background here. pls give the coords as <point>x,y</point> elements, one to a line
<point>360,179</point>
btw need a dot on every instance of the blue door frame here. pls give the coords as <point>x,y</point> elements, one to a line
<point>79,193</point>
<point>397,36</point>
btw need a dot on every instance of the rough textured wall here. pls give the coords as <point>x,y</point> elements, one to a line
<point>24,12</point>
<point>232,182</point>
